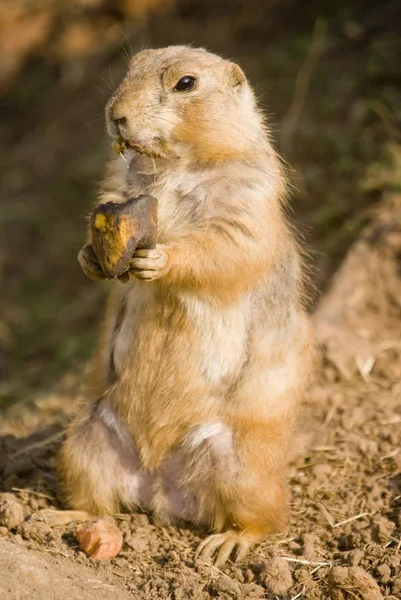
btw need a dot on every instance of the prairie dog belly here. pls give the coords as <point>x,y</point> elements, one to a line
<point>211,340</point>
<point>180,487</point>
<point>223,335</point>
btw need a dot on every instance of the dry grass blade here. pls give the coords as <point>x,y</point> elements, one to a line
<point>299,595</point>
<point>41,444</point>
<point>33,493</point>
<point>309,562</point>
<point>354,518</point>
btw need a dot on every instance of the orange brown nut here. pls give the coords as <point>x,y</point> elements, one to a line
<point>99,538</point>
<point>118,229</point>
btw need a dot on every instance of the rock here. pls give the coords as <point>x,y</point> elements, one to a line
<point>309,546</point>
<point>362,585</point>
<point>253,590</point>
<point>11,511</point>
<point>396,589</point>
<point>278,579</point>
<point>249,576</point>
<point>394,561</point>
<point>295,547</point>
<point>226,585</point>
<point>35,530</point>
<point>99,538</point>
<point>139,542</point>
<point>384,572</point>
<point>381,529</point>
<point>354,557</point>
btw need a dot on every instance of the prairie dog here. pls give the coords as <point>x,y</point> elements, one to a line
<point>206,351</point>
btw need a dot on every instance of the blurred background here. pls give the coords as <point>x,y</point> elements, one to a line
<point>328,75</point>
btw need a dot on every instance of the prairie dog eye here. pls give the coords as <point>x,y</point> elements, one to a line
<point>185,84</point>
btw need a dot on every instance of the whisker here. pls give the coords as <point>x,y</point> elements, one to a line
<point>99,89</point>
<point>111,77</point>
<point>106,82</point>
<point>124,53</point>
<point>93,122</point>
<point>163,119</point>
<point>129,44</point>
<point>157,105</point>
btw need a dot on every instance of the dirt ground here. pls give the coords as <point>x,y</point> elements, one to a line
<point>331,83</point>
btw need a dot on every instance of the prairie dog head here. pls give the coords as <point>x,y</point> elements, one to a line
<point>182,102</point>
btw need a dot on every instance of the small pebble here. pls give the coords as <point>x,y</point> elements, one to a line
<point>11,511</point>
<point>226,585</point>
<point>354,557</point>
<point>381,529</point>
<point>35,530</point>
<point>253,590</point>
<point>394,561</point>
<point>385,573</point>
<point>309,546</point>
<point>278,578</point>
<point>342,579</point>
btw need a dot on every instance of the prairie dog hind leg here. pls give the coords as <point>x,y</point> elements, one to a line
<point>101,466</point>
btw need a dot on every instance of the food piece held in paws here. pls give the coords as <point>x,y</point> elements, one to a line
<point>118,229</point>
<point>99,538</point>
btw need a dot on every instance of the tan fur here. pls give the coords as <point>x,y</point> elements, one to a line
<point>206,352</point>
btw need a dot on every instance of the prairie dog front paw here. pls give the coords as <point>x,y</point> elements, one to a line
<point>149,264</point>
<point>90,264</point>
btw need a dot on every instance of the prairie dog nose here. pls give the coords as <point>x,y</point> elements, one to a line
<point>120,121</point>
<point>116,118</point>
<point>117,113</point>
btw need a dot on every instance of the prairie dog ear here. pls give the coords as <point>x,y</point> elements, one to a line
<point>236,75</point>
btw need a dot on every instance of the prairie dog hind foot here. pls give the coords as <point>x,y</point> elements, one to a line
<point>216,549</point>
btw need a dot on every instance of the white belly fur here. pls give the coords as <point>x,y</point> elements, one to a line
<point>222,334</point>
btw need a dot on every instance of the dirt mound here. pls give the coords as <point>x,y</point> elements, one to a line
<point>32,574</point>
<point>358,321</point>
